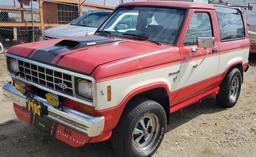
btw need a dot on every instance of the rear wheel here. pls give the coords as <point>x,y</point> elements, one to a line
<point>230,89</point>
<point>141,129</point>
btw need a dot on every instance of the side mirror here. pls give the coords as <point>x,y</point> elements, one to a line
<point>205,42</point>
<point>121,26</point>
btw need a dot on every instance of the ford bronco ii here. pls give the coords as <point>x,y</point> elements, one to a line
<point>124,82</point>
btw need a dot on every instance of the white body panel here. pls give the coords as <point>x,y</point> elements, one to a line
<point>211,66</point>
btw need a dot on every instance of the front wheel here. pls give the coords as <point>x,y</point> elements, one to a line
<point>230,89</point>
<point>141,129</point>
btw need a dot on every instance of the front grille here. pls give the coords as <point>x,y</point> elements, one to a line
<point>49,78</point>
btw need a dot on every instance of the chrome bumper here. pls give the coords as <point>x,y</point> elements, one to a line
<point>88,125</point>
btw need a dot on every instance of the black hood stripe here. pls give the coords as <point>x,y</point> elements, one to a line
<point>31,53</point>
<point>71,52</point>
<point>48,54</point>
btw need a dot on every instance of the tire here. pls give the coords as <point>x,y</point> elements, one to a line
<point>1,39</point>
<point>230,89</point>
<point>130,142</point>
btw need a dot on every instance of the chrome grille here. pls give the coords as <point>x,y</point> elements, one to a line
<point>47,77</point>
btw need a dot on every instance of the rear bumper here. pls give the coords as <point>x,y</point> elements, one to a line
<point>85,124</point>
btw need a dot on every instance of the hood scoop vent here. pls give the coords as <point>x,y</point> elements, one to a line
<point>84,41</point>
<point>70,44</point>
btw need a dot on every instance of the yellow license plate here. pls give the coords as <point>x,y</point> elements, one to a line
<point>33,107</point>
<point>53,100</point>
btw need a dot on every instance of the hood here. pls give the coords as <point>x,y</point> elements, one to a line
<point>84,54</point>
<point>69,31</point>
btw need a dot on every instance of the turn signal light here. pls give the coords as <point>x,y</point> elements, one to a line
<point>20,87</point>
<point>109,93</point>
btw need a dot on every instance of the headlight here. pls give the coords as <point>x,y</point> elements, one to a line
<point>13,65</point>
<point>84,88</point>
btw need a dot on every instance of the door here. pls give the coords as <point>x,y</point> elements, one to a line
<point>198,72</point>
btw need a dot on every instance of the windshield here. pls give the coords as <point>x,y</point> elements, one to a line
<point>91,20</point>
<point>156,24</point>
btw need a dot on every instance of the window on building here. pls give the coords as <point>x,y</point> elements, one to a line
<point>67,13</point>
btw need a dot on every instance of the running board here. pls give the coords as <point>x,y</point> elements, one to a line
<point>194,99</point>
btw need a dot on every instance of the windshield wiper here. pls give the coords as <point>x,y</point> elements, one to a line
<point>155,42</point>
<point>141,37</point>
<point>106,33</point>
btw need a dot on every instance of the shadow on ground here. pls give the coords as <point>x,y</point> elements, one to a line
<point>28,141</point>
<point>252,59</point>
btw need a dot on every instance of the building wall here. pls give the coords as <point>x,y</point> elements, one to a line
<point>50,12</point>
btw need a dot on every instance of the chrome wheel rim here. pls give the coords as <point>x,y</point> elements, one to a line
<point>234,89</point>
<point>145,133</point>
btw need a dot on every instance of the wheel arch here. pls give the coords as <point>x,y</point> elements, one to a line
<point>238,65</point>
<point>158,92</point>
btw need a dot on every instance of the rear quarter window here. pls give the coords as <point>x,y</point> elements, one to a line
<point>231,23</point>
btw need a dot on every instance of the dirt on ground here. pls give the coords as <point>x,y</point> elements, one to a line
<point>201,130</point>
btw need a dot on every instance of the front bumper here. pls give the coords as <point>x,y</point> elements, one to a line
<point>85,124</point>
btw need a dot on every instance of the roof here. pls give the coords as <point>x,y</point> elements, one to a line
<point>178,4</point>
<point>101,12</point>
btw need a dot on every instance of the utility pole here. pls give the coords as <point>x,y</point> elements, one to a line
<point>41,15</point>
<point>32,20</point>
<point>80,8</point>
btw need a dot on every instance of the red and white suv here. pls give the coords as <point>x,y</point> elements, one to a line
<point>124,82</point>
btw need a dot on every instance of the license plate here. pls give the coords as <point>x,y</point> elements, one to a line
<point>44,124</point>
<point>34,107</point>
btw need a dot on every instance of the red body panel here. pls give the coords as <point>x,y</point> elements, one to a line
<point>86,60</point>
<point>253,48</point>
<point>69,136</point>
<point>22,114</point>
<point>178,4</point>
<point>161,57</point>
<point>24,50</point>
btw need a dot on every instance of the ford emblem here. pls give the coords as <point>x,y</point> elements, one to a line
<point>63,86</point>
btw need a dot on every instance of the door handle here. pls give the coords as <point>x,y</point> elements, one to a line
<point>194,49</point>
<point>215,50</point>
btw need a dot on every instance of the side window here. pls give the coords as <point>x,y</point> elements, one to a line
<point>230,23</point>
<point>200,26</point>
<point>127,23</point>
